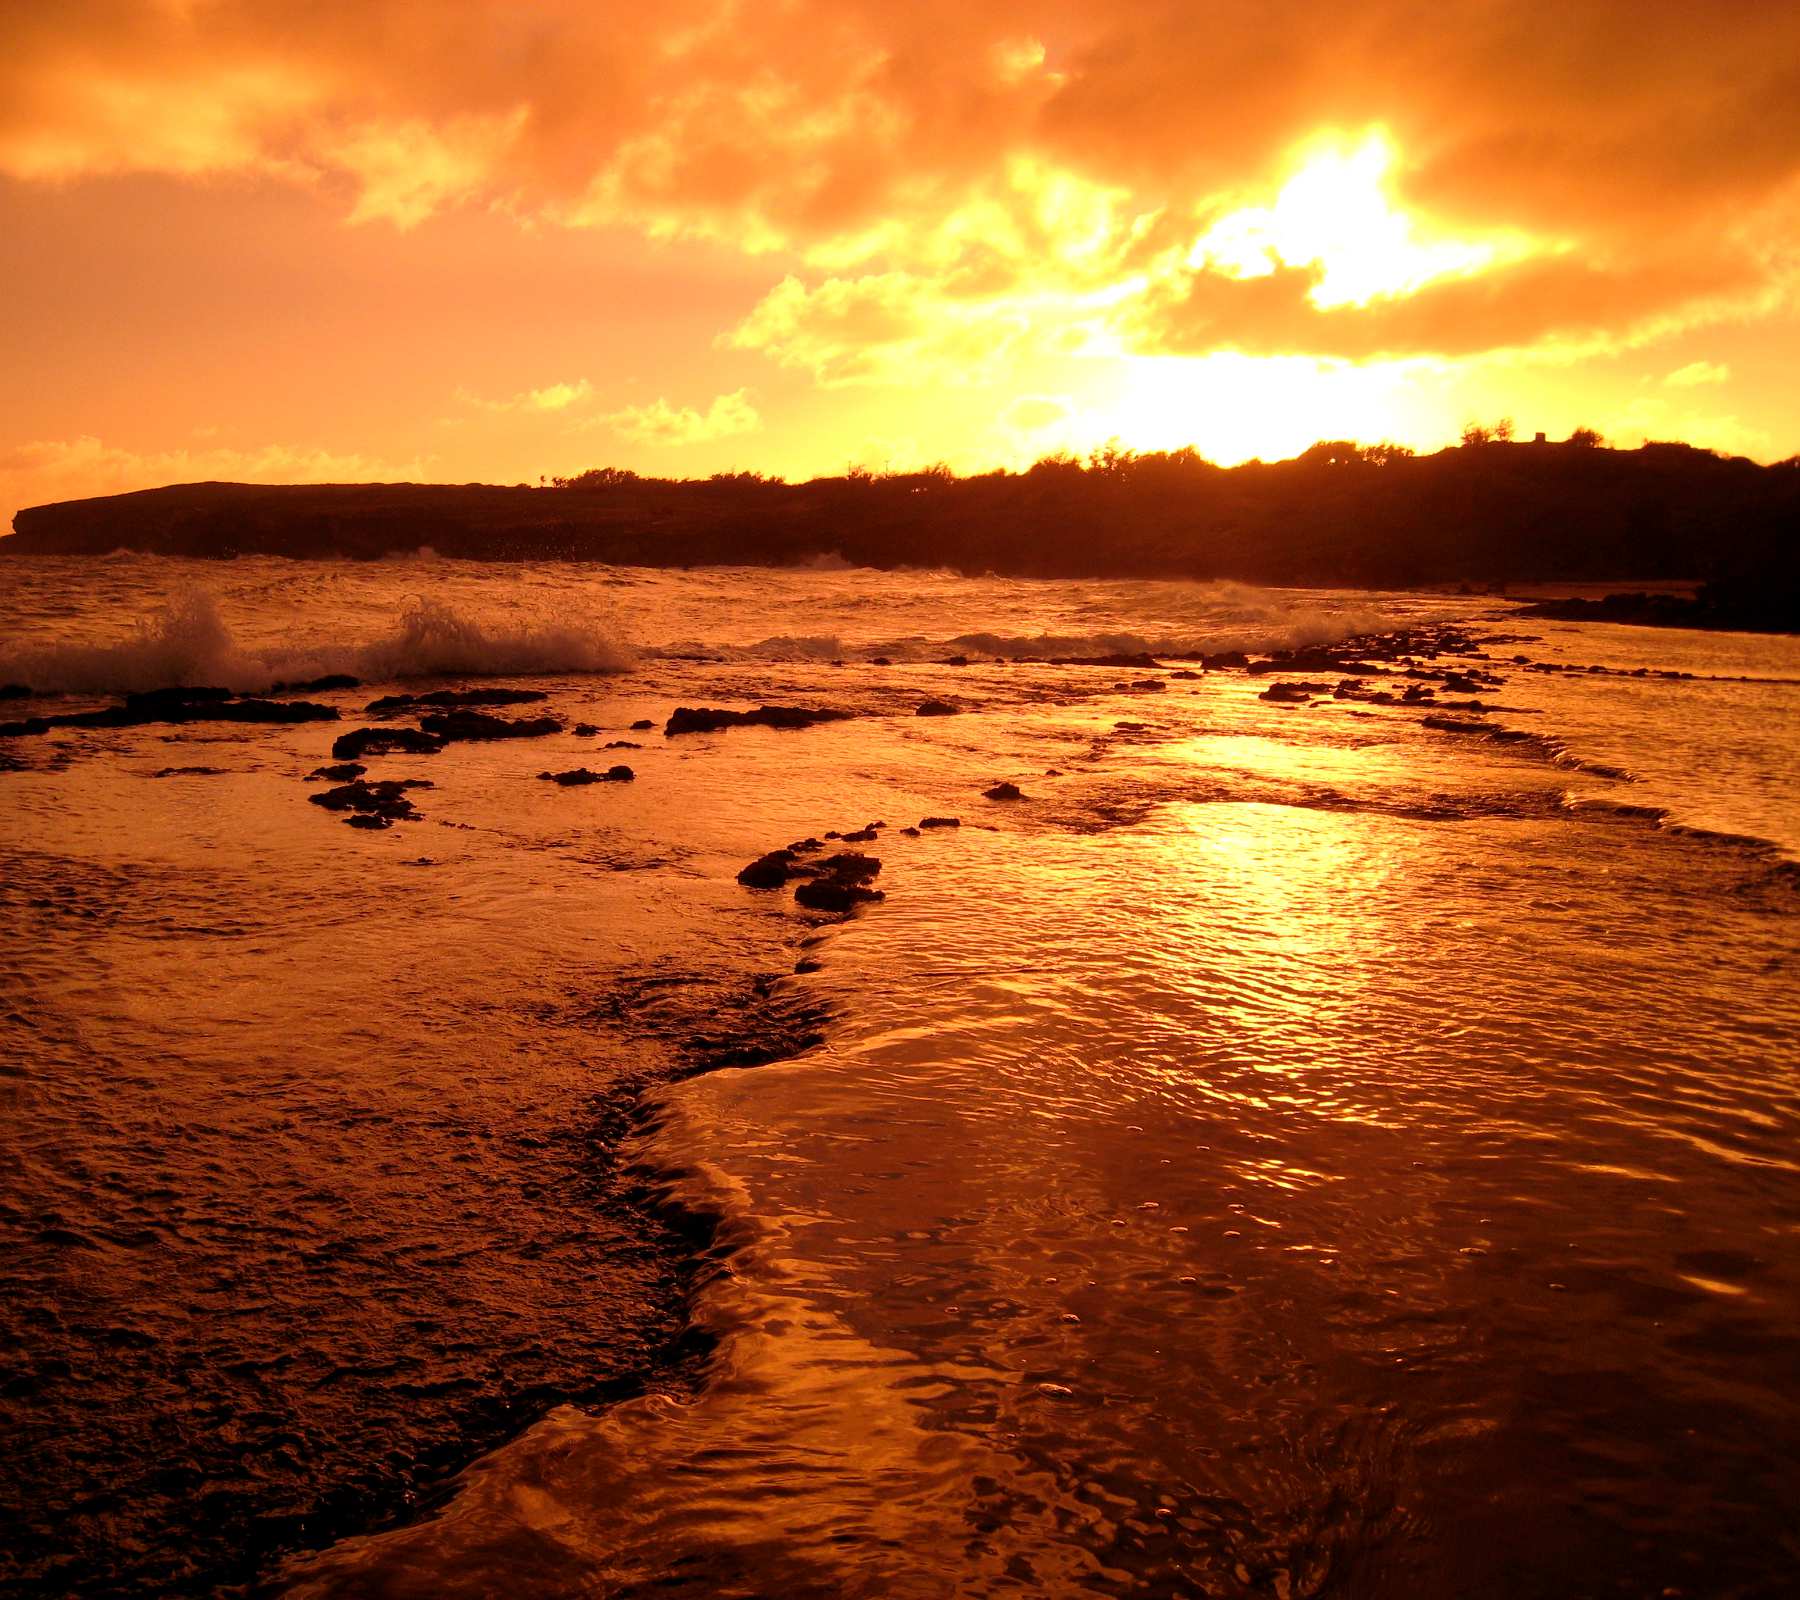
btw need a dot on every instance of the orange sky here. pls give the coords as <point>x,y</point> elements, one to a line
<point>486,239</point>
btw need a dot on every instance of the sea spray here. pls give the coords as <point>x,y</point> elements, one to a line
<point>188,642</point>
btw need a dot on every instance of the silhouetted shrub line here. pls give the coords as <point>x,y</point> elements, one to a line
<point>1486,514</point>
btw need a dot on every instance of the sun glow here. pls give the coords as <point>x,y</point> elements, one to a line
<point>1234,407</point>
<point>1336,215</point>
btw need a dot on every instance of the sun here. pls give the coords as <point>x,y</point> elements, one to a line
<point>1337,214</point>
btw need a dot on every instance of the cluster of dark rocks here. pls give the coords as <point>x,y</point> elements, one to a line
<point>437,730</point>
<point>576,777</point>
<point>451,699</point>
<point>706,719</point>
<point>837,883</point>
<point>177,705</point>
<point>373,805</point>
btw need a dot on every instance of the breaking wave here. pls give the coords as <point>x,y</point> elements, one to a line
<point>188,642</point>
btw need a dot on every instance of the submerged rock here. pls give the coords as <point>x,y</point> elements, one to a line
<point>937,708</point>
<point>450,698</point>
<point>324,685</point>
<point>1004,791</point>
<point>460,725</point>
<point>385,799</point>
<point>703,719</point>
<point>177,705</point>
<point>585,730</point>
<point>1138,659</point>
<point>834,894</point>
<point>343,772</point>
<point>577,776</point>
<point>940,822</point>
<point>849,866</point>
<point>385,741</point>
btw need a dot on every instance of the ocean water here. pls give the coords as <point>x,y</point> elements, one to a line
<point>1295,1150</point>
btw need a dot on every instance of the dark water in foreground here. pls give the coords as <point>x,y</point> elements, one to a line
<point>1293,1152</point>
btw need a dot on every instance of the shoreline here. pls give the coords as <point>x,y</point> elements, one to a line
<point>712,1031</point>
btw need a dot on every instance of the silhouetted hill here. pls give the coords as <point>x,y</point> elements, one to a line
<point>1487,515</point>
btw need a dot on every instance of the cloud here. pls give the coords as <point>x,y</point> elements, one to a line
<point>1032,413</point>
<point>45,471</point>
<point>553,397</point>
<point>1628,166</point>
<point>1697,373</point>
<point>1560,297</point>
<point>661,423</point>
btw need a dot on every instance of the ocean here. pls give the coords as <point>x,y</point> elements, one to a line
<point>1327,1145</point>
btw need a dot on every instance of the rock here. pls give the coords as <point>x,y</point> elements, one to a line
<point>940,822</point>
<point>1186,676</point>
<point>450,698</point>
<point>386,799</point>
<point>1004,791</point>
<point>643,724</point>
<point>1153,685</point>
<point>880,661</point>
<point>272,711</point>
<point>621,744</point>
<point>459,725</point>
<point>801,846</point>
<point>188,772</point>
<point>385,741</point>
<point>343,772</point>
<point>1225,661</point>
<point>849,866</point>
<point>692,719</point>
<point>937,708</point>
<point>577,776</point>
<point>1286,694</point>
<point>807,964</point>
<point>911,833</point>
<point>178,705</point>
<point>585,730</point>
<point>14,691</point>
<point>155,703</point>
<point>368,820</point>
<point>768,872</point>
<point>324,685</point>
<point>1117,660</point>
<point>954,661</point>
<point>861,836</point>
<point>832,894</point>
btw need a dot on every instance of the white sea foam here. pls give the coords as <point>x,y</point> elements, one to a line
<point>187,641</point>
